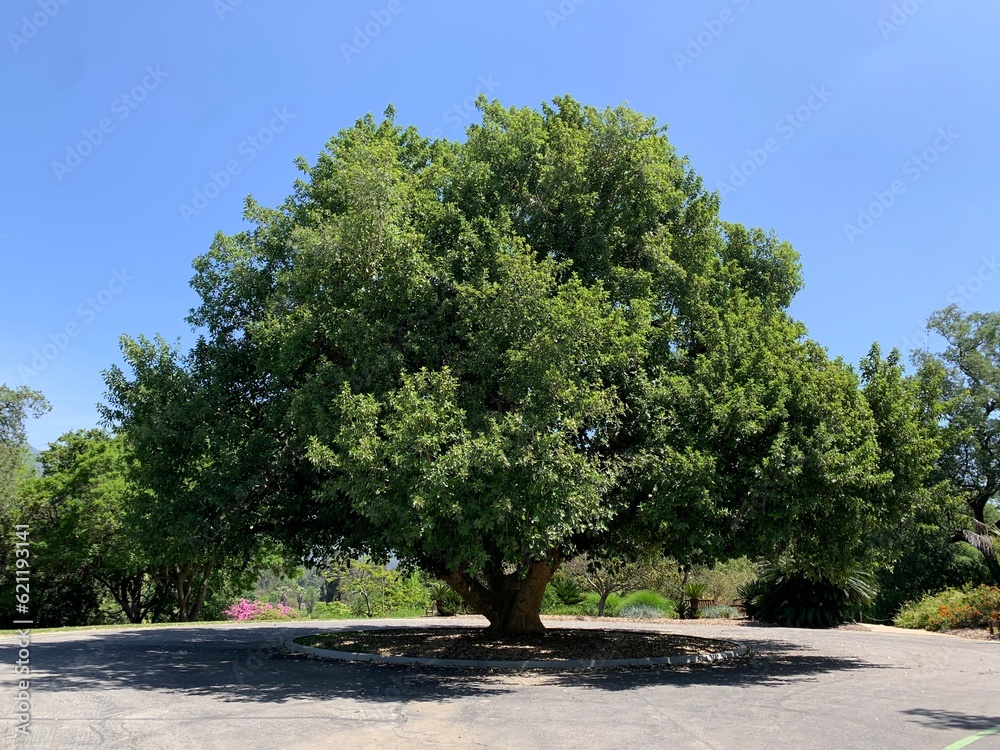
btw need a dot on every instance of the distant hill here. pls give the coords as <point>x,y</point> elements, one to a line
<point>35,453</point>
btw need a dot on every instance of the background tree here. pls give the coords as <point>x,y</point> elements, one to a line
<point>913,550</point>
<point>77,508</point>
<point>64,589</point>
<point>613,576</point>
<point>373,590</point>
<point>967,377</point>
<point>190,441</point>
<point>17,405</point>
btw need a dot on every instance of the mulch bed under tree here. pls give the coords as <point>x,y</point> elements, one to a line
<point>555,643</point>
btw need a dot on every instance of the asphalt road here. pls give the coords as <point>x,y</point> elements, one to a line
<point>232,686</point>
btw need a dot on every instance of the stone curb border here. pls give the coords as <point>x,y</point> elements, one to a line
<point>325,653</point>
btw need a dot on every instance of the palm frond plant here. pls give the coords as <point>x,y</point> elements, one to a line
<point>792,599</point>
<point>445,599</point>
<point>568,591</point>
<point>694,591</point>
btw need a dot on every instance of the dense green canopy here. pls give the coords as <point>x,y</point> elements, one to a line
<point>487,357</point>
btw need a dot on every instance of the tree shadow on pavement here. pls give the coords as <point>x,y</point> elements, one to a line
<point>940,719</point>
<point>252,665</point>
<point>769,664</point>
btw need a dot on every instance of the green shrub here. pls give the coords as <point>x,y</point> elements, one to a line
<point>567,609</point>
<point>612,605</point>
<point>550,601</point>
<point>452,604</point>
<point>554,606</point>
<point>968,607</point>
<point>445,599</point>
<point>410,594</point>
<point>649,598</point>
<point>331,611</point>
<point>795,601</point>
<point>406,612</point>
<point>567,590</point>
<point>748,593</point>
<point>587,607</point>
<point>641,612</point>
<point>724,579</point>
<point>275,614</point>
<point>564,597</point>
<point>718,612</point>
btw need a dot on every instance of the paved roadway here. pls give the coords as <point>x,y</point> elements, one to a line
<point>231,686</point>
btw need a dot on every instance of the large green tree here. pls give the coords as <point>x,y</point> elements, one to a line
<point>966,376</point>
<point>487,357</point>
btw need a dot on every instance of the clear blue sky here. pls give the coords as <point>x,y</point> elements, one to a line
<point>834,100</point>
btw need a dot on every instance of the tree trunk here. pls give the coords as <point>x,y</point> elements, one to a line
<point>182,578</point>
<point>686,569</point>
<point>512,602</point>
<point>202,591</point>
<point>994,565</point>
<point>602,602</point>
<point>182,586</point>
<point>127,593</point>
<point>131,589</point>
<point>519,611</point>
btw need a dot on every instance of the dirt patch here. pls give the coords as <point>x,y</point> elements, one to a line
<point>973,634</point>
<point>555,643</point>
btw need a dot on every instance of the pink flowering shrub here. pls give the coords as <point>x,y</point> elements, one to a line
<point>257,610</point>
